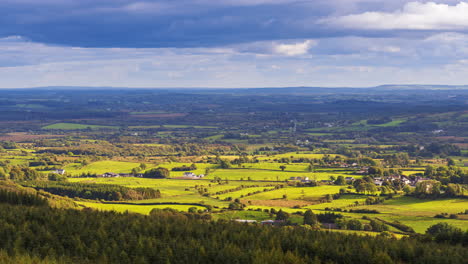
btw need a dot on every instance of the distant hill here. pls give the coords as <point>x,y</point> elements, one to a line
<point>265,90</point>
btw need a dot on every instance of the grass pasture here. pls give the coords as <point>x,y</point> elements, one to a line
<point>269,175</point>
<point>409,206</point>
<point>141,209</point>
<point>73,126</point>
<point>297,193</point>
<point>101,167</point>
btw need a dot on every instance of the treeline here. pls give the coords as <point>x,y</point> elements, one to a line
<point>18,173</point>
<point>168,237</point>
<point>94,191</point>
<point>433,149</point>
<point>447,174</point>
<point>185,168</point>
<point>119,149</point>
<point>21,198</point>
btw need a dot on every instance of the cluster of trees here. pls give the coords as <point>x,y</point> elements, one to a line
<point>355,224</point>
<point>94,191</point>
<point>432,149</point>
<point>19,173</point>
<point>185,168</point>
<point>447,174</point>
<point>21,198</point>
<point>445,233</point>
<point>379,171</point>
<point>8,145</point>
<point>434,189</point>
<point>170,237</point>
<point>398,225</point>
<point>157,173</point>
<point>397,159</point>
<point>365,185</point>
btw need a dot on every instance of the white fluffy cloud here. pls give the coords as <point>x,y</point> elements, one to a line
<point>293,49</point>
<point>283,48</point>
<point>413,16</point>
<point>441,59</point>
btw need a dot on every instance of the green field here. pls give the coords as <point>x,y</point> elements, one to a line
<point>142,209</point>
<point>269,175</point>
<point>417,213</point>
<point>73,126</point>
<point>173,190</point>
<point>243,192</point>
<point>101,167</point>
<point>409,206</point>
<point>297,193</point>
<point>170,126</point>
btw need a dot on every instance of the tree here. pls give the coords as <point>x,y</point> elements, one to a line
<point>454,190</point>
<point>235,206</point>
<point>407,190</point>
<point>375,171</point>
<point>450,162</point>
<point>159,172</point>
<point>428,188</point>
<point>282,215</point>
<point>224,164</point>
<point>340,180</point>
<point>443,232</point>
<point>354,224</point>
<point>282,167</point>
<point>378,226</point>
<point>3,174</point>
<point>310,218</point>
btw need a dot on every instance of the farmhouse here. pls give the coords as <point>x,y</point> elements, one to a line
<point>109,175</point>
<point>191,175</point>
<point>245,221</point>
<point>419,179</point>
<point>378,182</point>
<point>272,222</point>
<point>301,179</point>
<point>59,171</point>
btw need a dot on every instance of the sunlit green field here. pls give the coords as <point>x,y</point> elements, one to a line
<point>101,167</point>
<point>270,175</point>
<point>142,209</point>
<point>417,213</point>
<point>72,126</point>
<point>421,224</point>
<point>167,187</point>
<point>243,192</point>
<point>294,155</point>
<point>297,193</point>
<point>410,206</point>
<point>343,202</point>
<point>169,126</point>
<point>16,160</point>
<point>188,198</point>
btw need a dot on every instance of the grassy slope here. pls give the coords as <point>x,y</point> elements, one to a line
<point>73,126</point>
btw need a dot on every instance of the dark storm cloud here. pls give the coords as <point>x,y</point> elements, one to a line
<point>197,23</point>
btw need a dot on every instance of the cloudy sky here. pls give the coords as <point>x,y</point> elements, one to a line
<point>232,43</point>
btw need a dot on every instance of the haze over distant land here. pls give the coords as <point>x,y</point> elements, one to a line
<point>387,87</point>
<point>233,44</point>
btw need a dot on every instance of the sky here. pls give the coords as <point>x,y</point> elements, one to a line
<point>232,43</point>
